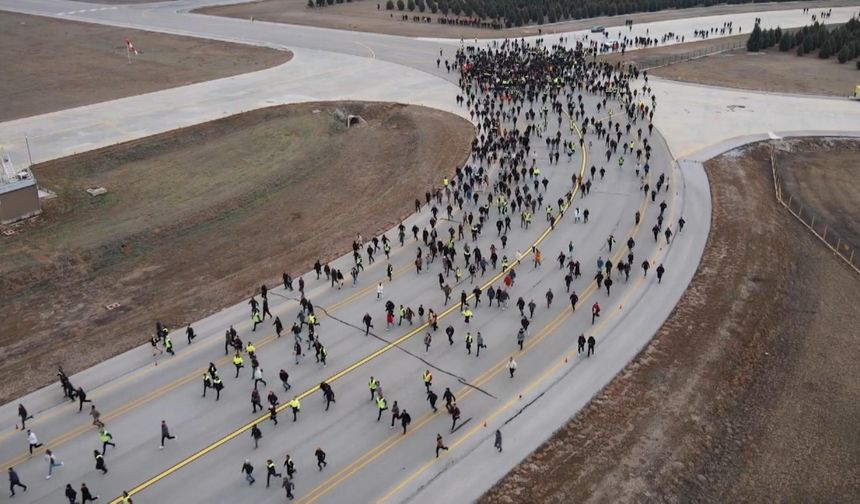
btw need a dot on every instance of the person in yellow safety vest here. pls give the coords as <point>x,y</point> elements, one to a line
<point>168,345</point>
<point>537,171</point>
<point>256,318</point>
<point>238,362</point>
<point>428,379</point>
<point>270,471</point>
<point>296,406</point>
<point>549,213</point>
<point>372,384</point>
<point>218,385</point>
<point>312,320</point>
<point>107,439</point>
<point>125,499</point>
<point>250,348</point>
<point>468,340</point>
<point>445,181</point>
<point>381,406</point>
<point>458,274</point>
<point>467,315</point>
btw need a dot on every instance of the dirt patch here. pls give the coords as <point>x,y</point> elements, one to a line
<point>364,16</point>
<point>69,64</point>
<point>769,70</point>
<point>184,228</point>
<point>658,56</point>
<point>822,176</point>
<point>746,394</point>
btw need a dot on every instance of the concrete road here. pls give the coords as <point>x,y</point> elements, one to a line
<point>367,460</point>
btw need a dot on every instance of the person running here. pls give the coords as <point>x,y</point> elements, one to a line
<point>440,445</point>
<point>328,394</point>
<point>22,412</point>
<point>258,377</point>
<point>295,406</point>
<point>660,271</point>
<point>591,342</point>
<point>238,362</point>
<point>580,344</point>
<point>165,434</point>
<point>125,498</point>
<point>82,398</point>
<point>380,406</point>
<point>454,410</point>
<point>71,494</point>
<point>256,435</point>
<point>320,455</point>
<point>86,496</point>
<point>431,398</point>
<point>498,442</point>
<point>448,396</point>
<point>14,481</point>
<point>289,486</point>
<point>405,420</point>
<point>218,385</point>
<point>285,379</point>
<point>52,463</point>
<point>271,471</point>
<point>595,312</point>
<point>33,441</point>
<point>512,366</point>
<point>100,462</point>
<point>247,470</point>
<point>106,439</point>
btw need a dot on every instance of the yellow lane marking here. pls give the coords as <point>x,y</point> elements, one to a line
<point>164,389</point>
<point>362,461</point>
<point>478,426</point>
<point>359,363</point>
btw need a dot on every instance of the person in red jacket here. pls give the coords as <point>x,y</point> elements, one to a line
<point>595,312</point>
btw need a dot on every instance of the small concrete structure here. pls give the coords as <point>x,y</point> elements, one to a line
<point>19,195</point>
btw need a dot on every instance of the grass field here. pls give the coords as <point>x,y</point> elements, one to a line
<point>196,218</point>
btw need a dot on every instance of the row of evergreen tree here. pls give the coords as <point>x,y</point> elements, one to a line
<point>842,41</point>
<point>522,12</point>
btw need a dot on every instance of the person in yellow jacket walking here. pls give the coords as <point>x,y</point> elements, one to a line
<point>296,406</point>
<point>238,362</point>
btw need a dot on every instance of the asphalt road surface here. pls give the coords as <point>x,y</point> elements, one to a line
<point>367,461</point>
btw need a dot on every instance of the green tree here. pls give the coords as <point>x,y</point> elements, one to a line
<point>311,4</point>
<point>754,43</point>
<point>400,5</point>
<point>844,54</point>
<point>808,43</point>
<point>434,7</point>
<point>410,4</point>
<point>785,42</point>
<point>389,5</point>
<point>826,50</point>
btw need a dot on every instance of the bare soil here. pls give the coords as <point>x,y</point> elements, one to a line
<point>69,64</point>
<point>748,393</point>
<point>363,15</point>
<point>822,176</point>
<point>769,70</point>
<point>185,228</point>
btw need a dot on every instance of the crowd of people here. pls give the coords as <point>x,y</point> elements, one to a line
<point>526,100</point>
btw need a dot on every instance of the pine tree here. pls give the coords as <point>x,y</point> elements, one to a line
<point>844,54</point>
<point>826,50</point>
<point>785,42</point>
<point>754,43</point>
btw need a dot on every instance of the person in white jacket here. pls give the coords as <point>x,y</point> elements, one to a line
<point>33,440</point>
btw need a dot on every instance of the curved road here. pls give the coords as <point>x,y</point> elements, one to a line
<point>368,461</point>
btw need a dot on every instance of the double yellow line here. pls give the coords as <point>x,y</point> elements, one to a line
<point>371,455</point>
<point>160,391</point>
<point>549,329</point>
<point>354,366</point>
